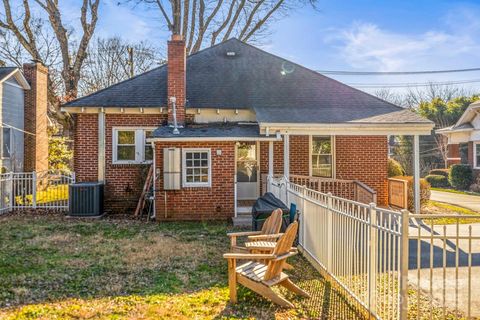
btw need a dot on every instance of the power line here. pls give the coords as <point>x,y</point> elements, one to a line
<point>393,73</point>
<point>412,84</point>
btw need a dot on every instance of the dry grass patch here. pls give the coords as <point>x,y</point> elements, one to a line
<point>56,268</point>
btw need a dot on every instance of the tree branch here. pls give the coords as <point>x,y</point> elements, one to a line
<point>262,21</point>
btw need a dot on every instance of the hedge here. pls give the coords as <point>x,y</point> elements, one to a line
<point>461,176</point>
<point>424,192</point>
<point>437,181</point>
<point>440,172</point>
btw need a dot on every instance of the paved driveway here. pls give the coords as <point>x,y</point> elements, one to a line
<point>436,252</point>
<point>462,200</point>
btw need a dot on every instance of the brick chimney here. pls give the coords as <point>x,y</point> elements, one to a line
<point>176,78</point>
<point>35,118</point>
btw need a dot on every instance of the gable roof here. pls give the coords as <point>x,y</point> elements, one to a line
<point>7,72</point>
<point>277,89</point>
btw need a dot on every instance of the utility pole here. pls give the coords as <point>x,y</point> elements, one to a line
<point>130,60</point>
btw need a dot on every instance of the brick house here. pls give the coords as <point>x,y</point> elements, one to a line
<point>214,124</point>
<point>464,139</point>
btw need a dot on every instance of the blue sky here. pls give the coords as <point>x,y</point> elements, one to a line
<point>357,35</point>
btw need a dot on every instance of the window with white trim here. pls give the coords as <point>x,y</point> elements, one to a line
<point>196,168</point>
<point>477,155</point>
<point>7,142</point>
<point>322,156</point>
<point>130,145</point>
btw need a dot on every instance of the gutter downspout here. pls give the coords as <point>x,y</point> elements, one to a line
<point>101,145</point>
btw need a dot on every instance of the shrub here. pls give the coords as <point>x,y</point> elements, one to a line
<point>440,172</point>
<point>424,191</point>
<point>475,187</point>
<point>461,176</point>
<point>437,181</point>
<point>395,168</point>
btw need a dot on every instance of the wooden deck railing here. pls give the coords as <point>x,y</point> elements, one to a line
<point>349,189</point>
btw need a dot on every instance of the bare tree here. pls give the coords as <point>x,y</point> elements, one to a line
<point>20,23</point>
<point>207,22</point>
<point>432,101</point>
<point>112,60</point>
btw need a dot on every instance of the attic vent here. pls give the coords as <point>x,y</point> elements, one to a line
<point>231,53</point>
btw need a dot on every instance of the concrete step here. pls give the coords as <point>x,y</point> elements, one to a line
<point>244,210</point>
<point>242,221</point>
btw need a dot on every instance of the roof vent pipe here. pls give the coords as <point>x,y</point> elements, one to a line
<point>173,100</point>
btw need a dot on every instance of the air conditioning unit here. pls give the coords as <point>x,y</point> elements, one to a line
<point>85,199</point>
<point>171,168</point>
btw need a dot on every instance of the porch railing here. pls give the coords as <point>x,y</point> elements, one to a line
<point>349,189</point>
<point>42,190</point>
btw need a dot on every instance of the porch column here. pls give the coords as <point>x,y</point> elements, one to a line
<point>286,156</point>
<point>270,158</point>
<point>416,172</point>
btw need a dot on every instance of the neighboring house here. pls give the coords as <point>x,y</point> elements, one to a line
<point>464,138</point>
<point>23,118</point>
<point>242,113</point>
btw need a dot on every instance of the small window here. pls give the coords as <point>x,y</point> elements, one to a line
<point>126,145</point>
<point>322,156</point>
<point>7,143</point>
<point>196,168</point>
<point>130,146</point>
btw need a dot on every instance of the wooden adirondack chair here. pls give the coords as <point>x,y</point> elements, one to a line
<point>261,277</point>
<point>270,230</point>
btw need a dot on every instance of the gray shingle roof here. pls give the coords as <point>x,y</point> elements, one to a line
<point>278,90</point>
<point>211,130</point>
<point>5,71</point>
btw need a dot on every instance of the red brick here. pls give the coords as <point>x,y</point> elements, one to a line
<point>199,203</point>
<point>35,118</point>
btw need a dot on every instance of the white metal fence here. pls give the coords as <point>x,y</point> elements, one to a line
<point>372,254</point>
<point>42,190</point>
<point>444,267</point>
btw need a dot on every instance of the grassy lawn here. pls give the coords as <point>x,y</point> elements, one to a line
<point>56,268</point>
<point>435,207</point>
<point>456,191</point>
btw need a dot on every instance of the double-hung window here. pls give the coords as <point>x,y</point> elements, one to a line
<point>130,145</point>
<point>322,156</point>
<point>7,142</point>
<point>196,167</point>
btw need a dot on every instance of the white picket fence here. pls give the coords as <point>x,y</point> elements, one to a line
<point>34,190</point>
<point>364,249</point>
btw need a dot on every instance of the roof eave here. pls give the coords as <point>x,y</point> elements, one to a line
<point>239,138</point>
<point>352,128</point>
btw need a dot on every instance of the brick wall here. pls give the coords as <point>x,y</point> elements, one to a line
<point>35,118</point>
<point>453,154</point>
<point>215,202</point>
<point>364,158</point>
<point>85,148</point>
<point>277,157</point>
<point>299,155</point>
<point>124,182</point>
<point>177,77</point>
